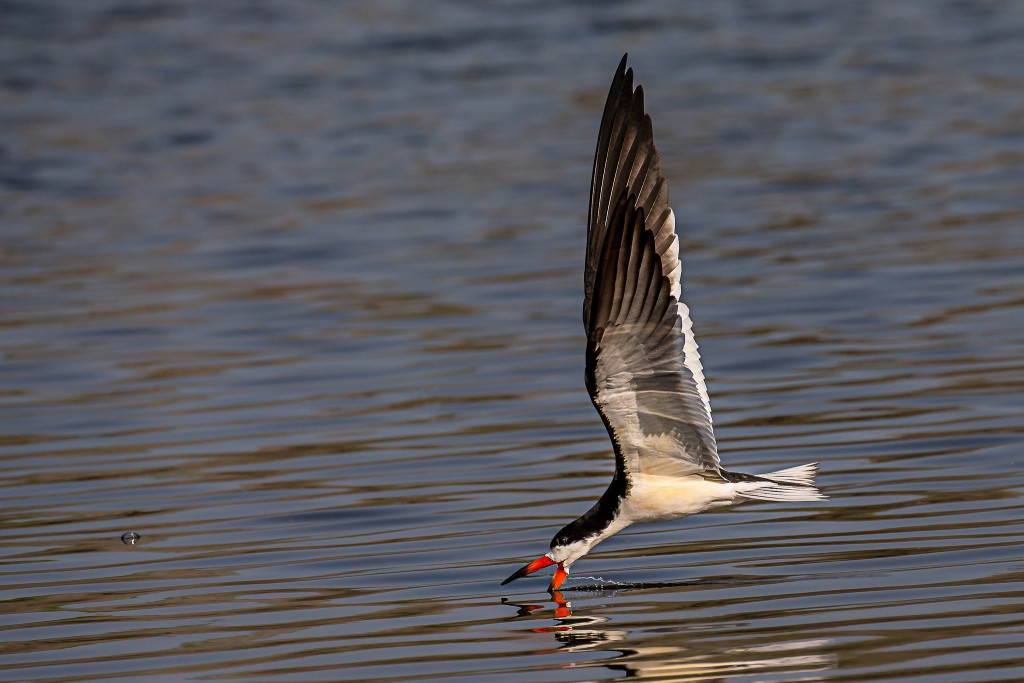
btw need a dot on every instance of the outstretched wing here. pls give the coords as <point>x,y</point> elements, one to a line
<point>643,370</point>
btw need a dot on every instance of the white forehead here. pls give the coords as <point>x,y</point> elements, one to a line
<point>571,552</point>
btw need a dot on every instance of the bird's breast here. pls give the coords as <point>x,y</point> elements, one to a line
<point>656,498</point>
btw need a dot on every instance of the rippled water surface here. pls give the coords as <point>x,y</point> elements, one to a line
<point>293,291</point>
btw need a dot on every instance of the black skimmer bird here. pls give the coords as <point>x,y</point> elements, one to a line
<point>643,370</point>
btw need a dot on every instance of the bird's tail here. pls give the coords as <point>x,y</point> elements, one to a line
<point>795,483</point>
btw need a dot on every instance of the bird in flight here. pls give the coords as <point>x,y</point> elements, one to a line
<point>643,371</point>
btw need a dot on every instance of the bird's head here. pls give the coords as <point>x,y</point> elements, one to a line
<point>565,549</point>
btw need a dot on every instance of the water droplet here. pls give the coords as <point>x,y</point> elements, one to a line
<point>130,538</point>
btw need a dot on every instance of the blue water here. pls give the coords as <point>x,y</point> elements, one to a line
<point>293,292</point>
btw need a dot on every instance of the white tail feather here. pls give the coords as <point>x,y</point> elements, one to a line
<point>794,483</point>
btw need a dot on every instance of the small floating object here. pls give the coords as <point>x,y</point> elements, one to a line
<point>130,538</point>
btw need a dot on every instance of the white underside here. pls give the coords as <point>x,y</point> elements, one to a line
<point>657,498</point>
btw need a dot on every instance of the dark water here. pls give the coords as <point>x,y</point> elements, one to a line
<point>293,291</point>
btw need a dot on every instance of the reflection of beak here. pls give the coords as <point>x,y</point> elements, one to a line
<point>539,563</point>
<point>563,609</point>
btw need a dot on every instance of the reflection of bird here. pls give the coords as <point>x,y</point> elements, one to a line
<point>643,370</point>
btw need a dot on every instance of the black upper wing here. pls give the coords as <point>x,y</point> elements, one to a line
<point>643,370</point>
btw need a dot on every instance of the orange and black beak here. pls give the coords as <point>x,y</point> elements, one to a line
<point>540,563</point>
